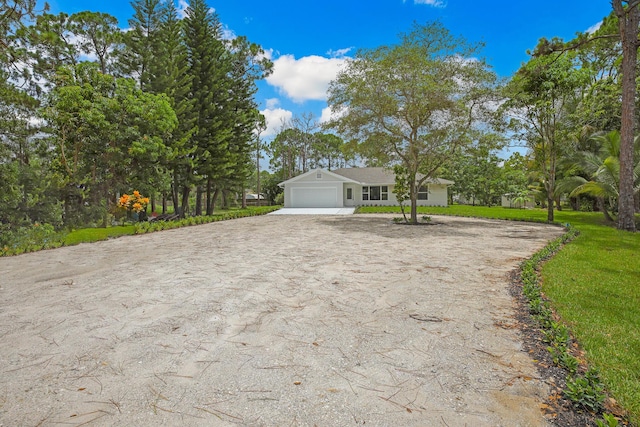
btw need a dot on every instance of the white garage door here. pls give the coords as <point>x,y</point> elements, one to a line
<point>322,197</point>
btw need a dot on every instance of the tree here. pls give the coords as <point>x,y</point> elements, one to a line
<point>209,67</point>
<point>476,170</point>
<point>603,171</point>
<point>539,96</point>
<point>13,15</point>
<point>628,21</point>
<point>49,45</point>
<point>108,136</point>
<point>248,64</point>
<point>141,57</point>
<point>98,35</point>
<point>412,103</point>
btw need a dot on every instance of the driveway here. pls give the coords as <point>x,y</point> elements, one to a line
<point>273,321</point>
<point>314,211</point>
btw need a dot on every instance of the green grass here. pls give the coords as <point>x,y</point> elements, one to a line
<point>89,235</point>
<point>593,283</point>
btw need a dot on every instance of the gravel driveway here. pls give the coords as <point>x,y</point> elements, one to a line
<point>273,321</point>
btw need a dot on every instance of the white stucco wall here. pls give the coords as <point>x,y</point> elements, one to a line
<point>437,197</point>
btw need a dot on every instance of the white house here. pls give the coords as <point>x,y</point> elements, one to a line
<point>347,187</point>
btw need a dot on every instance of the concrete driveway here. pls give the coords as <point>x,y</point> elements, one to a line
<point>273,321</point>
<point>314,211</point>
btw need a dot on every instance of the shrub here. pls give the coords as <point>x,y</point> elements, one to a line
<point>30,239</point>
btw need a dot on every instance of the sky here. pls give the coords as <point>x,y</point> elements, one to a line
<point>309,41</point>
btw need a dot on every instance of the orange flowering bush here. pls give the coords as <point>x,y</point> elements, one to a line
<point>134,202</point>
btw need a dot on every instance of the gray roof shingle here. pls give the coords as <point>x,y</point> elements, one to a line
<point>377,176</point>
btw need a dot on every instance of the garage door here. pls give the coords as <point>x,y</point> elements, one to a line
<point>322,197</point>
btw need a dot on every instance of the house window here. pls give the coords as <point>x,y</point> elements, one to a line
<point>375,192</point>
<point>349,193</point>
<point>423,193</point>
<point>319,175</point>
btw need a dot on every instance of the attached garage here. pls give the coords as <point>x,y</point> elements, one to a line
<point>314,197</point>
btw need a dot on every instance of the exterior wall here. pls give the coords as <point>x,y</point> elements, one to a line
<point>310,183</point>
<point>437,197</point>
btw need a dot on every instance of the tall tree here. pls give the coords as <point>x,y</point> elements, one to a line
<point>141,58</point>
<point>628,13</point>
<point>413,102</point>
<point>539,96</point>
<point>176,82</point>
<point>99,36</point>
<point>209,65</point>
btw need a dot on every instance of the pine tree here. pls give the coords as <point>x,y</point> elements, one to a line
<point>141,58</point>
<point>176,82</point>
<point>209,66</point>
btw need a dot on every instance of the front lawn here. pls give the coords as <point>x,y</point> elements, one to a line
<point>593,283</point>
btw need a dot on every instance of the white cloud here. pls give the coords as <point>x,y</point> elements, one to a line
<point>182,8</point>
<point>434,3</point>
<point>272,103</point>
<point>340,53</point>
<point>306,78</point>
<point>275,118</point>
<point>328,114</point>
<point>595,27</point>
<point>228,33</point>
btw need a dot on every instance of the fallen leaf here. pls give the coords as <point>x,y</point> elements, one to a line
<point>297,383</point>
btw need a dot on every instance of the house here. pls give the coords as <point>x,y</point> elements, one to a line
<point>347,187</point>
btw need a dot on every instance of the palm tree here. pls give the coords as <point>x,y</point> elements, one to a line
<point>603,171</point>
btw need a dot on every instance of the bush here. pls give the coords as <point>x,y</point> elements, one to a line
<point>30,239</point>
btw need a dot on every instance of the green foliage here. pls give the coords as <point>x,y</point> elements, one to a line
<point>608,420</point>
<point>29,239</point>
<point>401,188</point>
<point>149,227</point>
<point>424,77</point>
<point>586,391</point>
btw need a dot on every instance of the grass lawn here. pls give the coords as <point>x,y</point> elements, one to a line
<point>593,283</point>
<point>89,235</point>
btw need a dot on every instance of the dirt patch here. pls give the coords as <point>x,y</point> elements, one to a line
<point>274,320</point>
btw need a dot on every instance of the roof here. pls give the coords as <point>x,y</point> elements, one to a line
<point>313,171</point>
<point>366,176</point>
<point>378,176</point>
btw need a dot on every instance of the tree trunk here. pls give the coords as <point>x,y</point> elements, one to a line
<point>558,204</point>
<point>549,208</point>
<point>199,200</point>
<point>175,198</point>
<point>184,209</point>
<point>164,203</point>
<point>628,19</point>
<point>213,199</point>
<point>244,198</point>
<point>210,201</point>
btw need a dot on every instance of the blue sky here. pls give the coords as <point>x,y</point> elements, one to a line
<point>310,40</point>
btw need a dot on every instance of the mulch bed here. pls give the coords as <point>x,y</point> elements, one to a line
<point>560,411</point>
